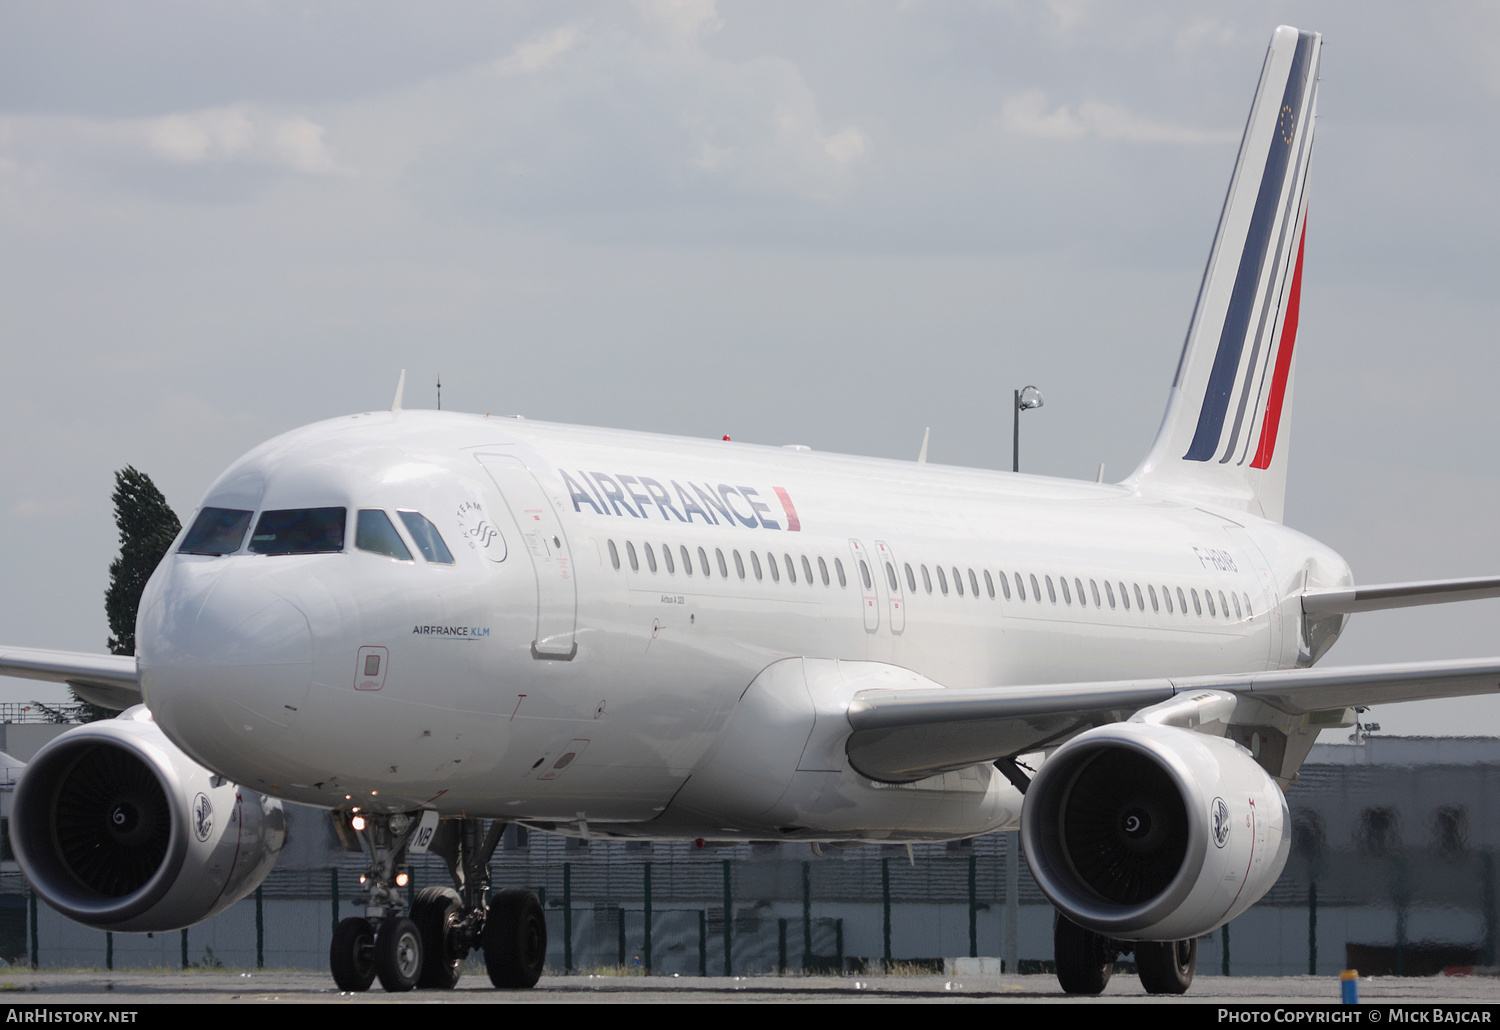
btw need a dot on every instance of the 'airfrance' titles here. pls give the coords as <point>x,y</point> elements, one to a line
<point>642,497</point>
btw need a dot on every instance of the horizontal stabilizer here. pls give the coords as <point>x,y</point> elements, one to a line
<point>1348,600</point>
<point>905,735</point>
<point>107,680</point>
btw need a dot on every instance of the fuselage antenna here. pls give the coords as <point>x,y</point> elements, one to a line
<point>922,454</point>
<point>400,389</point>
<point>440,391</point>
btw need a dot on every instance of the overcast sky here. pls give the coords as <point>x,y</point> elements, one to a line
<point>824,223</point>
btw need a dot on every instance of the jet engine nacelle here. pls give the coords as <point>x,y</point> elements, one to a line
<point>1150,832</point>
<point>119,830</point>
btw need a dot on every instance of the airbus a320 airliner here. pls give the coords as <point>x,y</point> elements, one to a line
<point>435,624</point>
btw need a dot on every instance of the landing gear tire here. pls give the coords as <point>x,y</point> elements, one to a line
<point>1085,960</point>
<point>437,911</point>
<point>515,939</point>
<point>398,954</point>
<point>351,957</point>
<point>1166,967</point>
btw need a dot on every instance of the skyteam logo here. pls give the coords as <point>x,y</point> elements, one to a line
<point>203,817</point>
<point>1218,817</point>
<point>642,497</point>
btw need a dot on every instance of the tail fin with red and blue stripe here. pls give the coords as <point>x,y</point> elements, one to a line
<point>1224,437</point>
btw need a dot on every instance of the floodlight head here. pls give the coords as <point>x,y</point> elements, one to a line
<point>1030,397</point>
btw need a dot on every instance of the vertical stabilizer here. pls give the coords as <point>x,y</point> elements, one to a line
<point>1224,437</point>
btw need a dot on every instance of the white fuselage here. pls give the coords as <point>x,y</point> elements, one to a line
<point>545,638</point>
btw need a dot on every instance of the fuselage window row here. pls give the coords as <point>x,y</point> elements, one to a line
<point>383,539</point>
<point>705,566</point>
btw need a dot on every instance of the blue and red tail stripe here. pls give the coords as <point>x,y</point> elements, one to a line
<point>1271,212</point>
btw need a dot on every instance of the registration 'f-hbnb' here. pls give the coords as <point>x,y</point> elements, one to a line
<point>434,624</point>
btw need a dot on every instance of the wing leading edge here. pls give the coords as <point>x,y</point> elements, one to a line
<point>901,735</point>
<point>107,680</point>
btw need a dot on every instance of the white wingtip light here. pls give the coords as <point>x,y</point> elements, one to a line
<point>400,389</point>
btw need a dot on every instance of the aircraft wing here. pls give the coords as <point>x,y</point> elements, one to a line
<point>107,680</point>
<point>904,734</point>
<point>1349,600</point>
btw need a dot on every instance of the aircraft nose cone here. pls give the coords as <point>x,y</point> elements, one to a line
<point>225,665</point>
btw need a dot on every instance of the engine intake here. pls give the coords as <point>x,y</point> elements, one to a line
<point>1150,832</point>
<point>118,829</point>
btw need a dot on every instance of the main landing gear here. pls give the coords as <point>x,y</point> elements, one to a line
<point>1085,960</point>
<point>427,946</point>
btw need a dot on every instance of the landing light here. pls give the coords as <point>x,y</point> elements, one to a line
<point>402,879</point>
<point>358,822</point>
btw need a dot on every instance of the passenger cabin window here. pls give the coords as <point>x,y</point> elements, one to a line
<point>739,565</point>
<point>942,581</point>
<point>838,566</point>
<point>823,571</point>
<point>430,542</point>
<point>614,554</point>
<point>1005,586</point>
<point>635,564</point>
<point>723,566</point>
<point>216,531</point>
<point>299,531</point>
<point>373,532</point>
<point>651,558</point>
<point>666,557</point>
<point>926,579</point>
<point>807,571</point>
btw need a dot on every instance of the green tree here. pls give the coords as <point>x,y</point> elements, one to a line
<point>147,528</point>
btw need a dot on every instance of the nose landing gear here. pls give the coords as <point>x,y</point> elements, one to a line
<point>427,948</point>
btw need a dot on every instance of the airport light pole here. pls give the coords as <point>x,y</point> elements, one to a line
<point>1027,397</point>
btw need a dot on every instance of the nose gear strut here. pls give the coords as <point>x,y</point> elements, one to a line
<point>427,946</point>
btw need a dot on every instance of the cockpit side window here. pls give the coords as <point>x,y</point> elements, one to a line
<point>374,532</point>
<point>299,531</point>
<point>427,538</point>
<point>216,531</point>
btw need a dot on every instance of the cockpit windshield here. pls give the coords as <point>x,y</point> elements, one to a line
<point>373,532</point>
<point>428,540</point>
<point>216,531</point>
<point>299,531</point>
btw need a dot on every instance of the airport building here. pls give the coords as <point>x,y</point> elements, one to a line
<point>1392,870</point>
